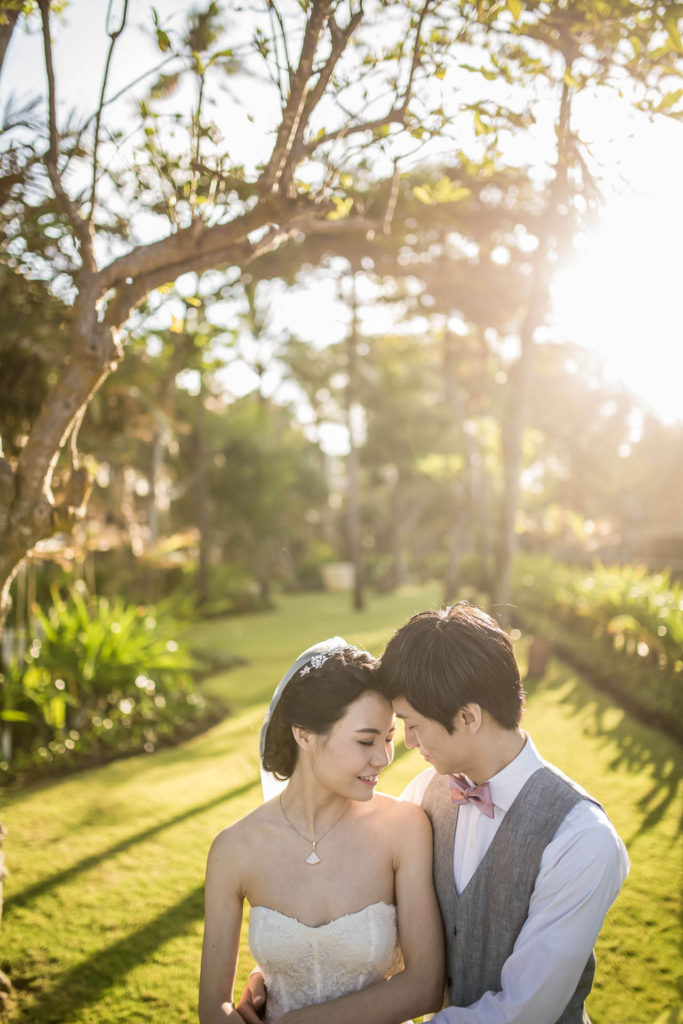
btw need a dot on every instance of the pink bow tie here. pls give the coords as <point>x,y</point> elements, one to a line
<point>462,791</point>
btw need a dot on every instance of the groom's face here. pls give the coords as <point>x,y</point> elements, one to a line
<point>448,752</point>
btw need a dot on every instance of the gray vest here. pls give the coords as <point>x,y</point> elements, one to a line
<point>481,924</point>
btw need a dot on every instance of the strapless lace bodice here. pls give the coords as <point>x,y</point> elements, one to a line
<point>303,965</point>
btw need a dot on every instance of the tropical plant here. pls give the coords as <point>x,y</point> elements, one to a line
<point>621,624</point>
<point>101,675</point>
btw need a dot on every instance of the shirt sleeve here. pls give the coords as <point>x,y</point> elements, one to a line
<point>582,870</point>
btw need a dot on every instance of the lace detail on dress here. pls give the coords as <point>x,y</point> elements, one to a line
<point>303,965</point>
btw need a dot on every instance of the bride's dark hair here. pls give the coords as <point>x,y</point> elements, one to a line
<point>315,700</point>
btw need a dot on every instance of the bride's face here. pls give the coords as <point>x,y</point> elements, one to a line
<point>350,757</point>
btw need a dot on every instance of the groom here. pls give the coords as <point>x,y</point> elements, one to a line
<point>526,863</point>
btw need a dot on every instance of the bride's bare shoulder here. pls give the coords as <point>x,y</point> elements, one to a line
<point>245,834</point>
<point>397,811</point>
<point>405,827</point>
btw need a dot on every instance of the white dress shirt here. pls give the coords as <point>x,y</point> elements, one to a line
<point>582,870</point>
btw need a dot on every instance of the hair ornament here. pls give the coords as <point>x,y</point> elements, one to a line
<point>318,660</point>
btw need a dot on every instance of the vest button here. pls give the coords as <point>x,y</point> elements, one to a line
<point>449,981</point>
<point>455,929</point>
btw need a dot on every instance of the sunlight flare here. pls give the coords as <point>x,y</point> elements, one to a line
<point>620,296</point>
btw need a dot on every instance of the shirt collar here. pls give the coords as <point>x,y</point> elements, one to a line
<point>506,784</point>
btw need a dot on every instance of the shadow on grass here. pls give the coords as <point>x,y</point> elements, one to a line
<point>640,748</point>
<point>47,884</point>
<point>84,983</point>
<point>14,901</point>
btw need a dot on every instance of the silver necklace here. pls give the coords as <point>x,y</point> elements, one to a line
<point>313,857</point>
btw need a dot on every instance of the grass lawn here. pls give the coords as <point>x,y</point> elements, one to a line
<point>103,903</point>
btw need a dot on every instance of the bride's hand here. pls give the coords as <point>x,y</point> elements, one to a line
<point>253,999</point>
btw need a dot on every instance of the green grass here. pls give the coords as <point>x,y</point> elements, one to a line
<point>103,904</point>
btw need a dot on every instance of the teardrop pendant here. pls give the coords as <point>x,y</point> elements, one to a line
<point>313,857</point>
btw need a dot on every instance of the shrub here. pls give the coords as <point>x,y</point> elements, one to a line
<point>100,676</point>
<point>619,624</point>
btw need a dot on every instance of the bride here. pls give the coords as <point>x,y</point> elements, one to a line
<point>338,877</point>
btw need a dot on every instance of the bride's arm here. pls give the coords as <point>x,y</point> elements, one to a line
<point>223,903</point>
<point>419,988</point>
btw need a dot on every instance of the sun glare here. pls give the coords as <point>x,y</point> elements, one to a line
<point>621,296</point>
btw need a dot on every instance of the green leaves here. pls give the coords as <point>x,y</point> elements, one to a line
<point>671,26</point>
<point>515,7</point>
<point>164,86</point>
<point>441,467</point>
<point>444,191</point>
<point>669,100</point>
<point>103,671</point>
<point>489,73</point>
<point>162,37</point>
<point>342,208</point>
<point>163,41</point>
<point>635,612</point>
<point>480,127</point>
<point>15,716</point>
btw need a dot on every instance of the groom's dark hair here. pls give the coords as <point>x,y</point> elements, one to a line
<point>441,660</point>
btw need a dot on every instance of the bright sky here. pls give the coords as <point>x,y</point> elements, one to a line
<point>622,293</point>
<point>620,296</point>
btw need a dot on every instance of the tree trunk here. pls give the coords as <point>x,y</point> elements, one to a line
<point>202,496</point>
<point>3,870</point>
<point>457,543</point>
<point>462,485</point>
<point>28,513</point>
<point>156,463</point>
<point>164,411</point>
<point>353,461</point>
<point>512,462</point>
<point>482,515</point>
<point>549,240</point>
<point>397,575</point>
<point>107,296</point>
<point>7,24</point>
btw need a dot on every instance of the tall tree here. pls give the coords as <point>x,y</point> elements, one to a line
<point>211,212</point>
<point>587,44</point>
<point>353,409</point>
<point>214,214</point>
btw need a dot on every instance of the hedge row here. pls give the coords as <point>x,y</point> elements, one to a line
<point>620,626</point>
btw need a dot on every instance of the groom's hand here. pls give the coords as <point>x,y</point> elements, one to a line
<point>252,1003</point>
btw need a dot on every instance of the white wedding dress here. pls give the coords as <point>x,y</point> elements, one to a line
<point>303,964</point>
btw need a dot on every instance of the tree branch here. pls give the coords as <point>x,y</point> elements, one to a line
<point>197,144</point>
<point>113,36</point>
<point>275,14</point>
<point>239,253</point>
<point>129,292</point>
<point>124,89</point>
<point>340,38</point>
<point>183,245</point>
<point>8,20</point>
<point>292,113</point>
<point>391,203</point>
<point>79,226</point>
<point>416,54</point>
<point>95,354</point>
<point>397,115</point>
